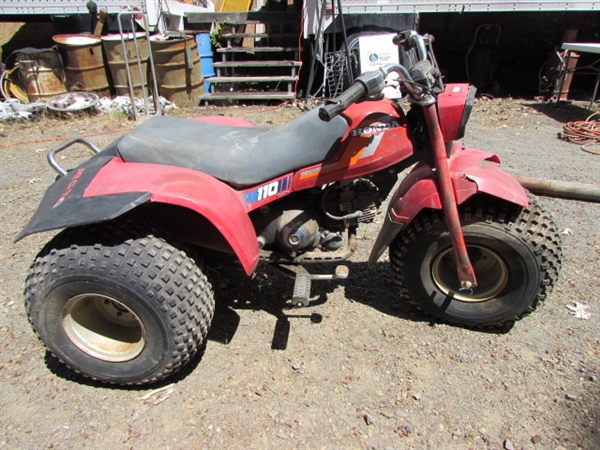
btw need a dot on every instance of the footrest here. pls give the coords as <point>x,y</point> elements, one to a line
<point>303,279</point>
<point>301,295</point>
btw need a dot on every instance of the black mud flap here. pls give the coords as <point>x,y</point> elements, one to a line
<point>64,206</point>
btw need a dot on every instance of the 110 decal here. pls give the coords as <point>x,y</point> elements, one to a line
<point>267,190</point>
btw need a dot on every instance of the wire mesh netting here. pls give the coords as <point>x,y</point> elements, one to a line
<point>336,72</point>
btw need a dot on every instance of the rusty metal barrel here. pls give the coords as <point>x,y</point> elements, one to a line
<point>178,70</point>
<point>84,63</point>
<point>41,73</point>
<point>117,60</point>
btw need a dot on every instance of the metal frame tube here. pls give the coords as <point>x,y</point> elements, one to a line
<point>466,273</point>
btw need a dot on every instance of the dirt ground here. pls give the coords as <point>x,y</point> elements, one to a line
<point>356,369</point>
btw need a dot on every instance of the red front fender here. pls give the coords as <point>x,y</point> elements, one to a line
<point>419,189</point>
<point>469,177</point>
<point>196,191</point>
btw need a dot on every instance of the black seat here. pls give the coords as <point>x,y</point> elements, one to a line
<point>235,155</point>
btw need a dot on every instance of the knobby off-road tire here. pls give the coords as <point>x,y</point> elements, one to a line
<point>516,253</point>
<point>118,302</point>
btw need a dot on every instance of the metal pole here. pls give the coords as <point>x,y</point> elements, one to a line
<point>318,39</point>
<point>127,70</point>
<point>563,189</point>
<point>348,58</point>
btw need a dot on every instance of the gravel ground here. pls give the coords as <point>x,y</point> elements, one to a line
<point>356,369</point>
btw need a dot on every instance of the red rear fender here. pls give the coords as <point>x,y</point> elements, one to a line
<point>195,191</point>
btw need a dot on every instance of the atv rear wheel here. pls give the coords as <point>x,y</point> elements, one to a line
<point>118,302</point>
<point>515,252</point>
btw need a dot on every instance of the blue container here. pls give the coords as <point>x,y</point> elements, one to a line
<point>206,54</point>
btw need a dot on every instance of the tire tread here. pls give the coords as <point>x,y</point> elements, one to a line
<point>185,295</point>
<point>533,225</point>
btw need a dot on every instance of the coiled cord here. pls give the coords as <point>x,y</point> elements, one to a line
<point>583,132</point>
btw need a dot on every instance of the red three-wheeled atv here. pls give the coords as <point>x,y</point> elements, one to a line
<point>121,294</point>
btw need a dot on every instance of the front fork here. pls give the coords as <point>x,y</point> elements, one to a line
<point>466,273</point>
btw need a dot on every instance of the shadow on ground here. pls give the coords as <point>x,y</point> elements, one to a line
<point>564,112</point>
<point>270,291</point>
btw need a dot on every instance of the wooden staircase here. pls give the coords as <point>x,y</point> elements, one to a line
<point>253,65</point>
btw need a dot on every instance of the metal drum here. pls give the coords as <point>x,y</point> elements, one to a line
<point>178,70</point>
<point>84,63</point>
<point>41,73</point>
<point>117,60</point>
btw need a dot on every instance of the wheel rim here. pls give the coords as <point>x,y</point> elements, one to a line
<point>103,327</point>
<point>490,269</point>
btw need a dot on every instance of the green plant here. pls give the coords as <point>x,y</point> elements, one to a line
<point>217,31</point>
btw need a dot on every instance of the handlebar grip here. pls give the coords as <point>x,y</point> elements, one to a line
<point>343,101</point>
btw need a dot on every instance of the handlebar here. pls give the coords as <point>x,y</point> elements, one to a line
<point>368,83</point>
<point>335,106</point>
<point>419,82</point>
<point>412,39</point>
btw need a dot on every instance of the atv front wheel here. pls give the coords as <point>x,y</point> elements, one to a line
<point>515,252</point>
<point>119,303</point>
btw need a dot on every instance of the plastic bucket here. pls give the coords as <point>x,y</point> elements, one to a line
<point>41,73</point>
<point>178,70</point>
<point>116,60</point>
<point>84,63</point>
<point>206,54</point>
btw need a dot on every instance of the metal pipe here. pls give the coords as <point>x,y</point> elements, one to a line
<point>563,189</point>
<point>134,111</point>
<point>348,59</point>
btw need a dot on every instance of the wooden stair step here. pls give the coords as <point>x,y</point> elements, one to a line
<point>251,79</point>
<point>257,64</point>
<point>256,49</point>
<point>243,18</point>
<point>278,95</point>
<point>258,35</point>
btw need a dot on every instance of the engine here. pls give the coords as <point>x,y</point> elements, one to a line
<point>348,205</point>
<point>315,220</point>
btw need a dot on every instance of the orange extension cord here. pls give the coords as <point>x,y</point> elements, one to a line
<point>583,132</point>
